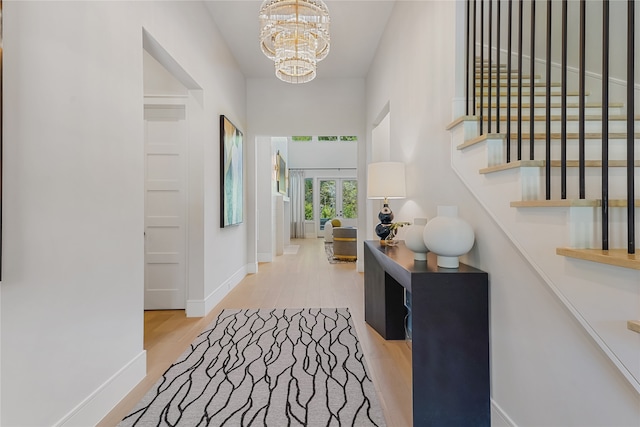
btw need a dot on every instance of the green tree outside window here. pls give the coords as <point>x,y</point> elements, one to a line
<point>308,199</point>
<point>350,198</point>
<point>327,199</point>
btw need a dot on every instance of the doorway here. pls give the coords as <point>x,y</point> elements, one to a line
<point>170,119</point>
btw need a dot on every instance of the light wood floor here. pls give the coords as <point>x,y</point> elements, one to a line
<point>298,281</point>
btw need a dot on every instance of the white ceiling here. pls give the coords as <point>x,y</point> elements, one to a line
<point>356,28</point>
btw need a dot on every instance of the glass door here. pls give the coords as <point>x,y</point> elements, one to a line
<point>338,198</point>
<point>328,202</point>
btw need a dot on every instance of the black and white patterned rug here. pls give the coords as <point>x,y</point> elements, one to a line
<point>328,249</point>
<point>267,367</point>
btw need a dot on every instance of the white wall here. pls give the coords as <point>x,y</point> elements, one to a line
<point>545,370</point>
<point>71,334</point>
<point>275,108</point>
<point>326,155</point>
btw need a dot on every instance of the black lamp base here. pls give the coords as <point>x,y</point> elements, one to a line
<point>386,218</point>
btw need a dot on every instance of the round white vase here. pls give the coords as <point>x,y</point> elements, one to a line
<point>448,236</point>
<point>414,239</point>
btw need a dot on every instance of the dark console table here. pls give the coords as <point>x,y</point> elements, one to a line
<point>450,346</point>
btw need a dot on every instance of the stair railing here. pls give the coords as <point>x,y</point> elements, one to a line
<point>476,17</point>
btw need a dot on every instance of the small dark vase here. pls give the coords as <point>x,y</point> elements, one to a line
<point>383,231</point>
<point>386,218</point>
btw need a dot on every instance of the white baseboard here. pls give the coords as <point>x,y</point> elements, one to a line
<point>252,268</point>
<point>200,308</point>
<point>98,404</point>
<point>499,418</point>
<point>265,257</point>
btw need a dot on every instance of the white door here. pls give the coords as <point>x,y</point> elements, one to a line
<point>165,207</point>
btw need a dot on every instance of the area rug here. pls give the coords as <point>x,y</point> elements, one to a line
<point>328,249</point>
<point>267,367</point>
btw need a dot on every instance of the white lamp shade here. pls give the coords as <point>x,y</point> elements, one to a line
<point>386,180</point>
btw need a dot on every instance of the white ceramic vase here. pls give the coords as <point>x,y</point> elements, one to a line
<point>328,232</point>
<point>448,236</point>
<point>414,239</point>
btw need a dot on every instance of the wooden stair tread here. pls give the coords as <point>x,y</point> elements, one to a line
<point>616,257</point>
<point>593,163</point>
<point>556,118</point>
<point>504,73</point>
<point>505,84</point>
<point>570,203</point>
<point>479,139</point>
<point>461,119</point>
<point>555,164</point>
<point>526,86</point>
<point>574,135</point>
<point>553,105</point>
<point>634,325</point>
<point>525,93</point>
<point>512,165</point>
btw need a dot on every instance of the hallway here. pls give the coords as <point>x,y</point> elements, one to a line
<point>304,279</point>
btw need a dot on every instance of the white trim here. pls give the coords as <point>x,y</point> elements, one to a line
<point>200,308</point>
<point>506,419</point>
<point>252,268</point>
<point>98,404</point>
<point>265,257</point>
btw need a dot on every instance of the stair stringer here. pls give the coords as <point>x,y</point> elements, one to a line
<point>600,297</point>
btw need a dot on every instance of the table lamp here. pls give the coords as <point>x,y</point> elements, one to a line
<point>385,180</point>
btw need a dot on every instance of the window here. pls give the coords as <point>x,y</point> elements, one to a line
<point>301,138</point>
<point>308,199</point>
<point>349,198</point>
<point>324,138</point>
<point>327,201</point>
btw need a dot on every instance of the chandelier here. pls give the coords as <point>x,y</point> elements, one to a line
<point>295,35</point>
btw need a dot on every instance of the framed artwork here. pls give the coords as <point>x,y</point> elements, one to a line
<point>281,166</point>
<point>231,186</point>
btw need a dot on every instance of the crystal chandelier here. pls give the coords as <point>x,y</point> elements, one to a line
<point>295,35</point>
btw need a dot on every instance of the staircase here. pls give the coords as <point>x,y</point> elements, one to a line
<point>561,236</point>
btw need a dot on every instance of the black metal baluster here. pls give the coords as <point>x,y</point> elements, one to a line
<point>475,65</point>
<point>498,66</point>
<point>548,108</point>
<point>581,105</point>
<point>509,25</point>
<point>605,125</point>
<point>466,59</point>
<point>631,246</point>
<point>563,130</point>
<point>490,64</point>
<point>532,67</point>
<point>520,79</point>
<point>482,66</point>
